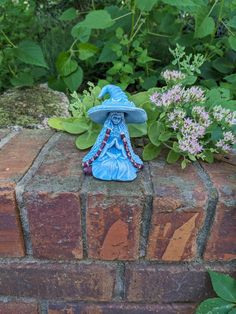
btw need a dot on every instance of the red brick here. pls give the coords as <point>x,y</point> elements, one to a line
<point>15,307</point>
<point>58,281</point>
<point>114,213</point>
<point>122,308</point>
<point>17,155</point>
<point>11,239</point>
<point>55,224</point>
<point>221,243</point>
<point>16,158</point>
<point>170,283</point>
<point>179,201</point>
<point>53,203</point>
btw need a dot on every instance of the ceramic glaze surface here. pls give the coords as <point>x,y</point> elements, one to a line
<point>112,156</point>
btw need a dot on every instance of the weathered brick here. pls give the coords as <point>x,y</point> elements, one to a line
<point>17,307</point>
<point>53,203</point>
<point>221,243</point>
<point>179,201</point>
<point>17,155</point>
<point>11,239</point>
<point>122,308</point>
<point>58,281</point>
<point>113,215</point>
<point>170,283</point>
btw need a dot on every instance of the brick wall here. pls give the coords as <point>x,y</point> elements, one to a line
<point>73,244</point>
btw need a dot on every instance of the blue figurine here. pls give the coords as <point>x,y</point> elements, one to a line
<point>112,156</point>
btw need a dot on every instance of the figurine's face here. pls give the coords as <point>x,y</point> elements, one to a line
<point>116,117</point>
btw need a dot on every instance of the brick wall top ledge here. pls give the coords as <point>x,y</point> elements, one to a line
<point>166,214</point>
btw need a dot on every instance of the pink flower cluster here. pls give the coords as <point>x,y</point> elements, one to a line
<point>226,142</point>
<point>178,95</point>
<point>220,113</point>
<point>176,117</point>
<point>203,116</point>
<point>191,133</point>
<point>173,76</point>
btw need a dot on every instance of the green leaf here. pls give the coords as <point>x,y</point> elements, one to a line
<point>86,139</point>
<point>56,123</point>
<point>22,79</point>
<point>68,15</point>
<point>86,51</point>
<point>98,19</point>
<point>231,78</point>
<point>216,132</point>
<point>209,157</point>
<point>206,28</point>
<point>154,132</point>
<point>137,130</point>
<point>233,311</point>
<point>214,306</point>
<point>165,136</point>
<point>74,80</point>
<point>146,5</point>
<point>65,65</point>
<point>172,157</point>
<point>223,65</point>
<point>76,126</point>
<point>232,22</point>
<point>107,54</point>
<point>149,82</point>
<point>151,110</point>
<point>189,80</point>
<point>151,151</point>
<point>232,42</point>
<point>81,32</point>
<point>224,286</point>
<point>31,53</point>
<point>140,98</point>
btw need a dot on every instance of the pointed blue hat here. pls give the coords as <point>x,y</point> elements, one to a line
<point>118,102</point>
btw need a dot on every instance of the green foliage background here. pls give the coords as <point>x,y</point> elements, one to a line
<point>68,43</point>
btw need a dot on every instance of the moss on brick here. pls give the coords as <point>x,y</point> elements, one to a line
<point>29,107</point>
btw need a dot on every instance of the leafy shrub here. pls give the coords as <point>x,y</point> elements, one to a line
<point>225,303</point>
<point>123,42</point>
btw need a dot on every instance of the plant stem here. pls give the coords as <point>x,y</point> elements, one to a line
<point>120,17</point>
<point>157,34</point>
<point>8,39</point>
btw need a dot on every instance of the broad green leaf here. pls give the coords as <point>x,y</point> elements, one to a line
<point>187,5</point>
<point>98,19</point>
<point>86,51</point>
<point>214,306</point>
<point>232,42</point>
<point>209,157</point>
<point>107,54</point>
<point>206,28</point>
<point>77,126</point>
<point>231,78</point>
<point>140,98</point>
<point>151,110</point>
<point>146,5</point>
<point>223,65</point>
<point>56,123</point>
<point>74,80</point>
<point>232,22</point>
<point>68,15</point>
<point>154,132</point>
<point>86,139</point>
<point>151,151</point>
<point>189,80</point>
<point>65,65</point>
<point>22,79</point>
<point>149,82</point>
<point>224,286</point>
<point>233,311</point>
<point>31,53</point>
<point>81,32</point>
<point>172,157</point>
<point>216,132</point>
<point>137,130</point>
<point>165,136</point>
